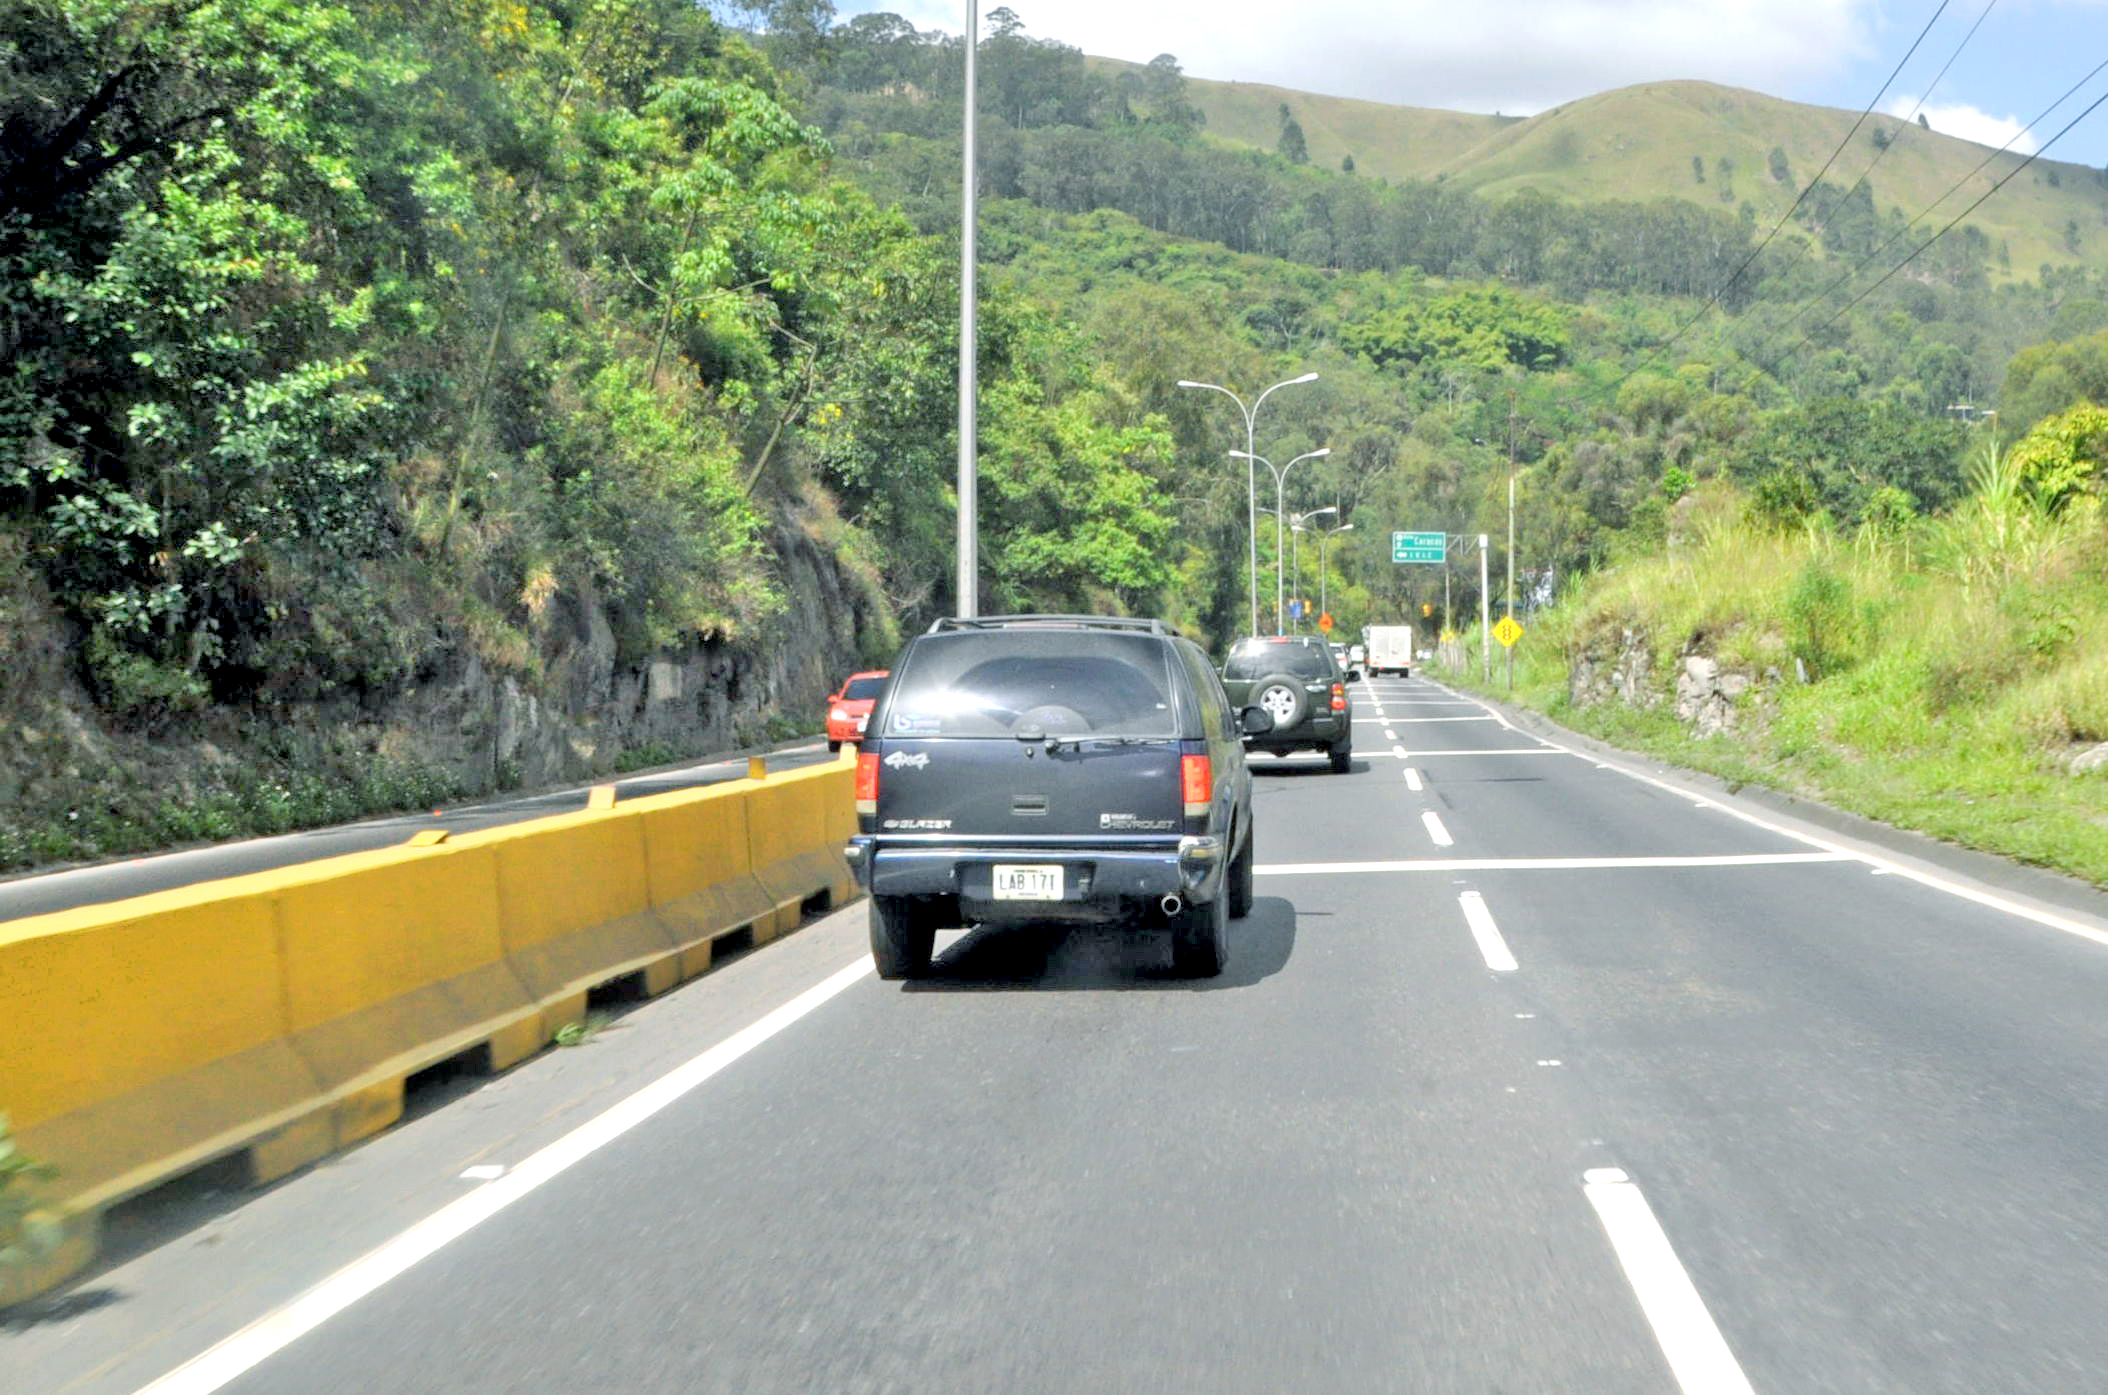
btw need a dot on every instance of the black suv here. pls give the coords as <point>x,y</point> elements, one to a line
<point>1053,767</point>
<point>1303,690</point>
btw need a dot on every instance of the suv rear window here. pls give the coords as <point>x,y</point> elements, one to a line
<point>1258,660</point>
<point>1061,682</point>
<point>861,688</point>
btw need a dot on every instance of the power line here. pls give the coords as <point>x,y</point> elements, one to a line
<point>1893,238</point>
<point>1881,149</point>
<point>1784,218</point>
<point>1952,222</point>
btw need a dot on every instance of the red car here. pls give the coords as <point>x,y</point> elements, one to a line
<point>850,708</point>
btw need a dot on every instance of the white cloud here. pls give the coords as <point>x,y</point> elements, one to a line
<point>1514,56</point>
<point>1961,119</point>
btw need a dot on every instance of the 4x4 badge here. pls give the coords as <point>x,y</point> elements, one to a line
<point>901,760</point>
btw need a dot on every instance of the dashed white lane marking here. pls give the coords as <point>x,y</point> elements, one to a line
<point>1697,1354</point>
<point>1398,751</point>
<point>1441,719</point>
<point>1548,864</point>
<point>1435,830</point>
<point>1412,779</point>
<point>1389,735</point>
<point>272,1333</point>
<point>1491,945</point>
<point>483,1172</point>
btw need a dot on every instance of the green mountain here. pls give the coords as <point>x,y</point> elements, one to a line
<point>1639,142</point>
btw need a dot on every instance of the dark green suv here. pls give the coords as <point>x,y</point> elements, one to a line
<point>1301,686</point>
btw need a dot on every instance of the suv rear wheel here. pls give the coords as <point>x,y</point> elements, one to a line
<point>1342,759</point>
<point>1199,938</point>
<point>902,935</point>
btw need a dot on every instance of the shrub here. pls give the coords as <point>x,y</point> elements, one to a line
<point>1822,623</point>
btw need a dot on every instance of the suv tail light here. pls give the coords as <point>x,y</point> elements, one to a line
<point>1196,780</point>
<point>867,782</point>
<point>1339,697</point>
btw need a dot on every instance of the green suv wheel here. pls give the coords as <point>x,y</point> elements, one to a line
<point>1342,759</point>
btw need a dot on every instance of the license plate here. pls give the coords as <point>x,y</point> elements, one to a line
<point>1031,882</point>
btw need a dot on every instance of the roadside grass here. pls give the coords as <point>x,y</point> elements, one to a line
<point>1953,670</point>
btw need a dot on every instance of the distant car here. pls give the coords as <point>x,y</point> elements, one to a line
<point>1357,655</point>
<point>1298,683</point>
<point>1054,768</point>
<point>849,708</point>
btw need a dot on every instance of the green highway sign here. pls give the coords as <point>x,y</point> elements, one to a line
<point>1419,547</point>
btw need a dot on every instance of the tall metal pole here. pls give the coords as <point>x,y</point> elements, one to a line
<point>1485,618</point>
<point>1280,503</point>
<point>1511,570</point>
<point>969,543</point>
<point>1297,544</point>
<point>1251,495</point>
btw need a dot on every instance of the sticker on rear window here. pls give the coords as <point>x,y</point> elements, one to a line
<point>910,722</point>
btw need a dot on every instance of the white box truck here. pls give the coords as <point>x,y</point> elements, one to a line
<point>1390,650</point>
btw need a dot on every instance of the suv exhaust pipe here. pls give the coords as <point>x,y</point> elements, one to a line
<point>1171,906</point>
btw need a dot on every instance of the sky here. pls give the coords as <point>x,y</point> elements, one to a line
<point>1522,56</point>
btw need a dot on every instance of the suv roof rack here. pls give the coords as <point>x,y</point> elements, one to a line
<point>1142,624</point>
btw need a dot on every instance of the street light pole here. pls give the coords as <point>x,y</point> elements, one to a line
<point>1324,538</point>
<point>969,542</point>
<point>1297,530</point>
<point>1280,506</point>
<point>1485,619</point>
<point>1251,472</point>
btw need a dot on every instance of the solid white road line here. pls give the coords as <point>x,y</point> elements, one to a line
<point>241,1352</point>
<point>1435,830</point>
<point>1444,719</point>
<point>1697,1353</point>
<point>1548,864</point>
<point>1491,945</point>
<point>2053,920</point>
<point>1412,779</point>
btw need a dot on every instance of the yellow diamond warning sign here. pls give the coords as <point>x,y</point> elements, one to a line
<point>1507,631</point>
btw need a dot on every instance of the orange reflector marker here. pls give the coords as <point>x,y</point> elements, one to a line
<point>867,783</point>
<point>1196,778</point>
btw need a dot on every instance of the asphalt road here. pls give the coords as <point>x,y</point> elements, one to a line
<point>139,876</point>
<point>1530,1073</point>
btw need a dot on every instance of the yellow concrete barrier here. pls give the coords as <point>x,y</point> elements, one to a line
<point>148,1036</point>
<point>277,1015</point>
<point>393,961</point>
<point>791,827</point>
<point>700,872</point>
<point>574,908</point>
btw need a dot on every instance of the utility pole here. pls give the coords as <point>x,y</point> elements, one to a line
<point>1485,620</point>
<point>1511,534</point>
<point>969,542</point>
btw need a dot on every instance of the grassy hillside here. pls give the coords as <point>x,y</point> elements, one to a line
<point>1391,142</point>
<point>1637,142</point>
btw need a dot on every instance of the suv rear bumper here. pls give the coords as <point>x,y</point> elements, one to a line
<point>1097,883</point>
<point>1321,731</point>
